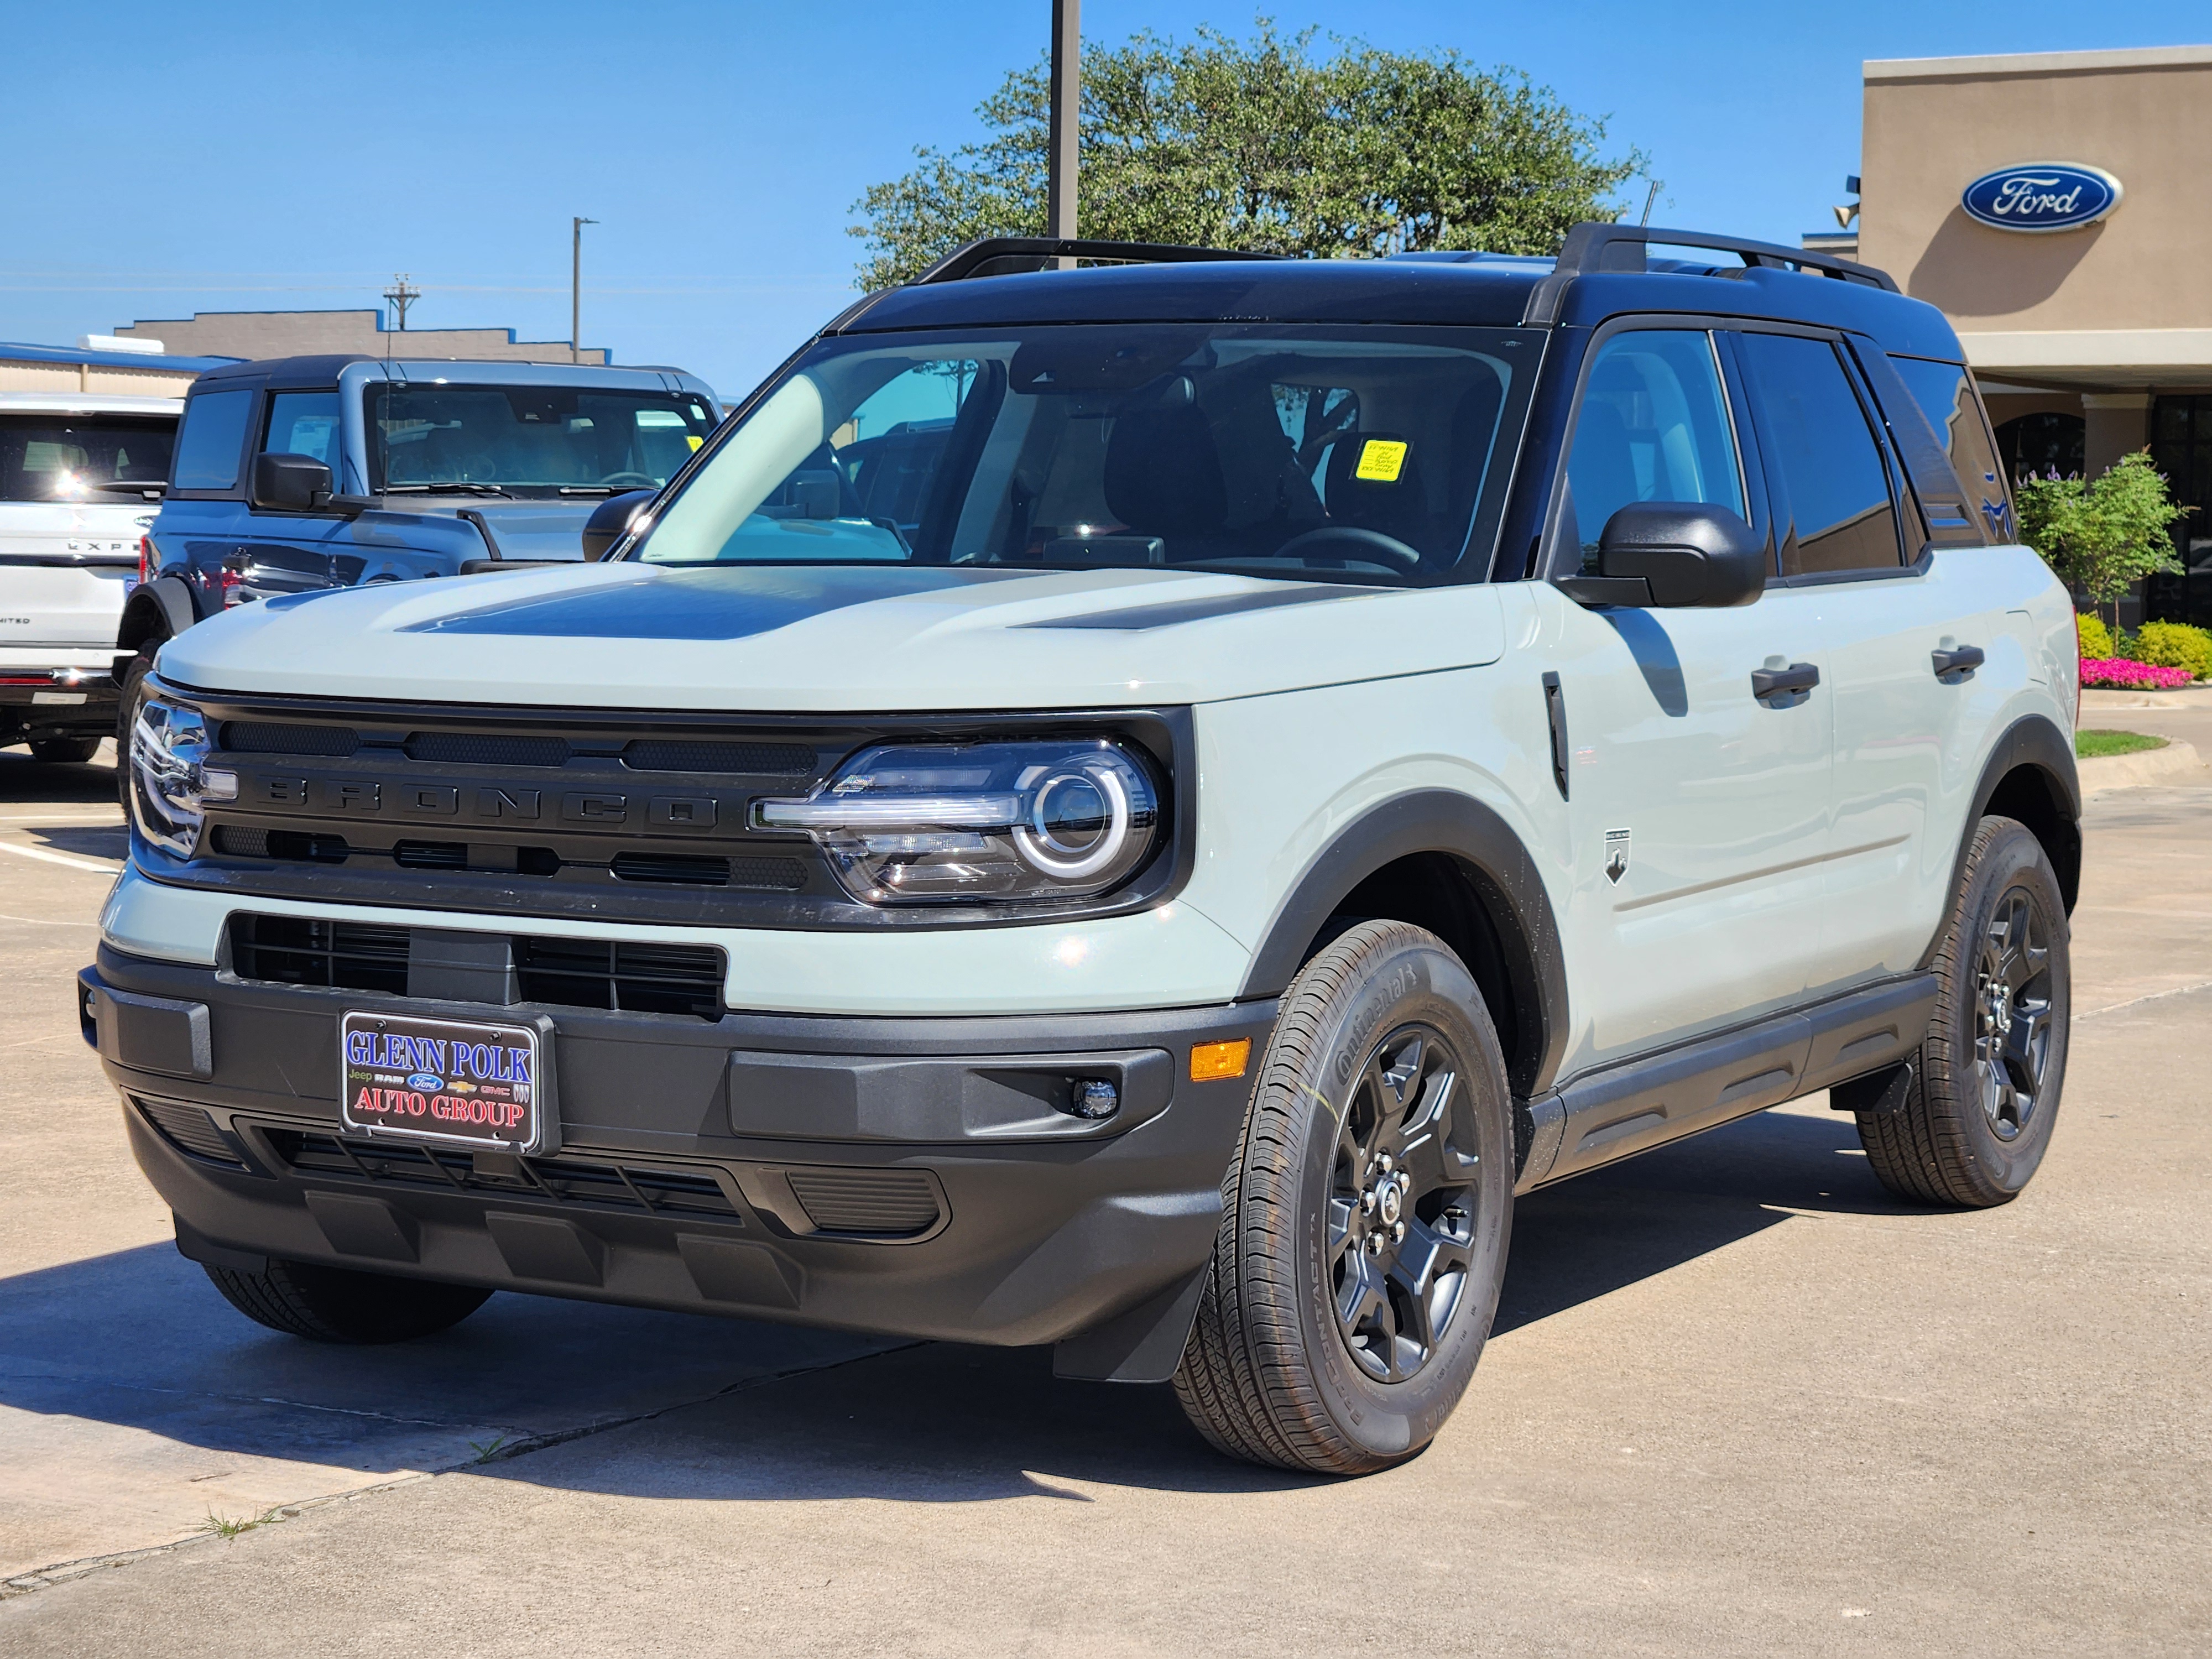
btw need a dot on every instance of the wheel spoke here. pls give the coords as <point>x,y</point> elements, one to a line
<point>1340,1212</point>
<point>1357,1297</point>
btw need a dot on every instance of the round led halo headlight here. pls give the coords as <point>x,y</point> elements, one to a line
<point>1040,842</point>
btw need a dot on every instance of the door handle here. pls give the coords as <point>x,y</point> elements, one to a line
<point>1767,683</point>
<point>1961,661</point>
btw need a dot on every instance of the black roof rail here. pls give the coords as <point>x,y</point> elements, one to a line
<point>1594,247</point>
<point>1000,256</point>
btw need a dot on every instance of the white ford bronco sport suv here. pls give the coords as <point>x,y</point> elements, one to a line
<point>1133,807</point>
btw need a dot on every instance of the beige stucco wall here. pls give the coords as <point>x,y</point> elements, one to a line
<point>297,333</point>
<point>15,376</point>
<point>2133,293</point>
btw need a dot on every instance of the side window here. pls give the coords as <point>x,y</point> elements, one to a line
<point>1653,426</point>
<point>211,439</point>
<point>1944,393</point>
<point>1843,516</point>
<point>303,423</point>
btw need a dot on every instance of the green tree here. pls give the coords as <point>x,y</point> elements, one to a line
<point>1259,145</point>
<point>2102,537</point>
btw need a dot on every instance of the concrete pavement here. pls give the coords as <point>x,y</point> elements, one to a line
<point>1739,1402</point>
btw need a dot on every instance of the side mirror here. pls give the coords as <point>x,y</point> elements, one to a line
<point>290,484</point>
<point>610,521</point>
<point>1667,554</point>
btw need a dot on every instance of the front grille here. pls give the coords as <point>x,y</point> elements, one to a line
<point>755,759</point>
<point>673,867</point>
<point>488,749</point>
<point>634,978</point>
<point>288,846</point>
<point>869,1203</point>
<point>191,1130</point>
<point>273,738</point>
<point>565,1179</point>
<point>620,975</point>
<point>352,955</point>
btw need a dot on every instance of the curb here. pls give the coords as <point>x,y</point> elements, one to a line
<point>2177,763</point>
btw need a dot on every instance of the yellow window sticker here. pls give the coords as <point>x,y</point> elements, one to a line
<point>1381,461</point>
<point>693,440</point>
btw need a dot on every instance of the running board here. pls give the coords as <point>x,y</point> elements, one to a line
<point>1602,1116</point>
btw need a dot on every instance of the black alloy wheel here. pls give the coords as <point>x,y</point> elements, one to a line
<point>2012,997</point>
<point>1401,1206</point>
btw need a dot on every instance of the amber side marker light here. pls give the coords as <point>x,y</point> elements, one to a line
<point>1210,1062</point>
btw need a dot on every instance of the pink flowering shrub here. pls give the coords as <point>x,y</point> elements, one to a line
<point>2118,674</point>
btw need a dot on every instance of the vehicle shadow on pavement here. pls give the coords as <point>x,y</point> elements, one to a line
<point>107,840</point>
<point>24,781</point>
<point>744,1411</point>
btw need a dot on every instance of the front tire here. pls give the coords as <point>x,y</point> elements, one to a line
<point>126,716</point>
<point>336,1304</point>
<point>1365,1219</point>
<point>1976,1120</point>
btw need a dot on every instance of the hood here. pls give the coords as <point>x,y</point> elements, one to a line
<point>523,530</point>
<point>875,638</point>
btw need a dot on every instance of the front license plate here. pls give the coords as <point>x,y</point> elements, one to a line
<point>461,1082</point>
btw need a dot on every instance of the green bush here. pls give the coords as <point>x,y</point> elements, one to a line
<point>2096,639</point>
<point>2175,645</point>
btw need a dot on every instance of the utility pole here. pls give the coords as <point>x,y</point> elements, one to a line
<point>402,296</point>
<point>1067,119</point>
<point>576,287</point>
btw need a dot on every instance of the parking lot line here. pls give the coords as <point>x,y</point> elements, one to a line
<point>61,859</point>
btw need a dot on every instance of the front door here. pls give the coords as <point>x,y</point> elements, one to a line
<point>1699,812</point>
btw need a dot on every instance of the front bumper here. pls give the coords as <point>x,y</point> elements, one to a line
<point>908,1176</point>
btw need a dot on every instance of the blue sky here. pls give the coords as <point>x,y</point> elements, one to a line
<point>166,159</point>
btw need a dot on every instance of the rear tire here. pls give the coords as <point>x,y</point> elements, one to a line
<point>1364,1222</point>
<point>57,751</point>
<point>1986,1082</point>
<point>336,1304</point>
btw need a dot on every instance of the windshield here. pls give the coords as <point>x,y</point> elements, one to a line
<point>66,457</point>
<point>1351,453</point>
<point>541,442</point>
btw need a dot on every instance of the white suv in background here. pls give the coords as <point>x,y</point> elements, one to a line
<point>81,479</point>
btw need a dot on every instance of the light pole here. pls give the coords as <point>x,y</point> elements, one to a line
<point>1066,119</point>
<point>576,287</point>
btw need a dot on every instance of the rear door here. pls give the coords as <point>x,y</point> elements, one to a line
<point>1857,552</point>
<point>1699,814</point>
<point>69,547</point>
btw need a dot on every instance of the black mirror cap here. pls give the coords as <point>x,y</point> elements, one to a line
<point>1685,553</point>
<point>290,484</point>
<point>610,519</point>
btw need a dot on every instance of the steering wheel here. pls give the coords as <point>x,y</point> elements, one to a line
<point>631,480</point>
<point>1360,543</point>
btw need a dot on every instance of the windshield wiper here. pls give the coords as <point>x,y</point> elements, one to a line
<point>465,487</point>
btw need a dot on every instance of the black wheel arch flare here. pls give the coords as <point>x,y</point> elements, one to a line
<point>1512,913</point>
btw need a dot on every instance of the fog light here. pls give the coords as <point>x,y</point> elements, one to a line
<point>1093,1098</point>
<point>1212,1062</point>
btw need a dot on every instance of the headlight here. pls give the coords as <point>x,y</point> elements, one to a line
<point>170,779</point>
<point>1006,822</point>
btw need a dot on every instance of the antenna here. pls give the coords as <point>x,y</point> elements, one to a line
<point>402,296</point>
<point>1650,197</point>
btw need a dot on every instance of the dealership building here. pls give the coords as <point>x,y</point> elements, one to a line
<point>2057,207</point>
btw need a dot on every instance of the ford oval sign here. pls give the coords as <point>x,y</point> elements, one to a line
<point>2042,196</point>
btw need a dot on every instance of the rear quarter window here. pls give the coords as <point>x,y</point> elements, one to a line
<point>1945,392</point>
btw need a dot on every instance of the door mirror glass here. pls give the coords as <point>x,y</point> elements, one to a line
<point>1681,553</point>
<point>290,484</point>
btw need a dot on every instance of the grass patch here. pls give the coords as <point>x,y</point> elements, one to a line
<point>2096,745</point>
<point>225,1527</point>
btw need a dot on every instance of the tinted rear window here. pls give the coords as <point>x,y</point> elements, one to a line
<point>66,457</point>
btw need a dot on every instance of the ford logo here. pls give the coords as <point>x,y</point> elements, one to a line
<point>424,1080</point>
<point>2041,196</point>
